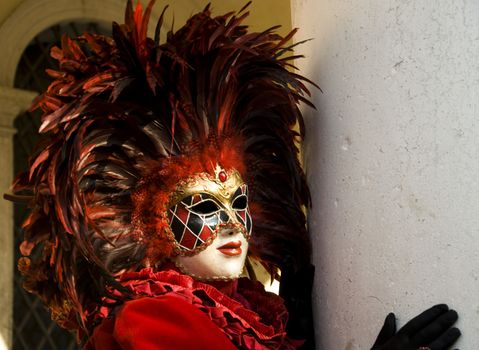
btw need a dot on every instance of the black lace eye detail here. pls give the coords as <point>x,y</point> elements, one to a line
<point>240,202</point>
<point>206,207</point>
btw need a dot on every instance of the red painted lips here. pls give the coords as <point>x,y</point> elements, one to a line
<point>231,248</point>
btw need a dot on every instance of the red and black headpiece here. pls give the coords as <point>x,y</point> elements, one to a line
<point>126,118</point>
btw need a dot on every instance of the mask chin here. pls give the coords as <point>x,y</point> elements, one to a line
<point>223,259</point>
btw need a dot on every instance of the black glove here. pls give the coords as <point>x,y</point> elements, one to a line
<point>429,329</point>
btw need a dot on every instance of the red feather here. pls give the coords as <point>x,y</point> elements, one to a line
<point>125,119</point>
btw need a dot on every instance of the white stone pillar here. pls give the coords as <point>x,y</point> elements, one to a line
<point>12,102</point>
<point>392,157</point>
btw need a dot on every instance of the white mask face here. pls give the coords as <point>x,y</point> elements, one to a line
<point>223,259</point>
<point>211,224</point>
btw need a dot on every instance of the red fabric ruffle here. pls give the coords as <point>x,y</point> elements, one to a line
<point>248,315</point>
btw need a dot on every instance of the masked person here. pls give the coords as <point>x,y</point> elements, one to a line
<point>165,170</point>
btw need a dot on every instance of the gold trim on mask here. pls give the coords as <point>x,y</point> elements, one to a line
<point>206,183</point>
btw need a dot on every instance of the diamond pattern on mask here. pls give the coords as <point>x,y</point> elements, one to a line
<point>190,230</point>
<point>249,223</point>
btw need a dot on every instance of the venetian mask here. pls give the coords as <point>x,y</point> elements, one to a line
<point>210,220</point>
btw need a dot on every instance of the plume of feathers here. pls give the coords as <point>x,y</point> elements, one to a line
<point>125,118</point>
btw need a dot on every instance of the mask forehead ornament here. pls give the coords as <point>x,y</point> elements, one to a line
<point>203,205</point>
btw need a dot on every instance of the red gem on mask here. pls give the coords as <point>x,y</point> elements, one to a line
<point>222,176</point>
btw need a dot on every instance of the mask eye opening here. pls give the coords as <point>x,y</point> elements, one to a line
<point>240,202</point>
<point>206,207</point>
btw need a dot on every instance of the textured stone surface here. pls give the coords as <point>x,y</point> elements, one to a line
<point>392,159</point>
<point>6,244</point>
<point>12,101</point>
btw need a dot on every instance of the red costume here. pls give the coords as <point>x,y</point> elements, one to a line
<point>173,307</point>
<point>164,169</point>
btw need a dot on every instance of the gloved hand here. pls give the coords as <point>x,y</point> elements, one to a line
<point>431,329</point>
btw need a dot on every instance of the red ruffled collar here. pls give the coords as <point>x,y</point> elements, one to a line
<point>249,316</point>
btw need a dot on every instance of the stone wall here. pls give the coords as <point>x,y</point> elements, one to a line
<point>392,159</point>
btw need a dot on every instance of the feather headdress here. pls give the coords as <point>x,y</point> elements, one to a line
<point>125,118</point>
